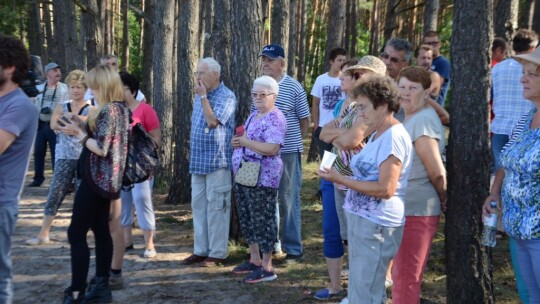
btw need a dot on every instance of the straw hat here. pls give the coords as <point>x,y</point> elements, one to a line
<point>371,63</point>
<point>533,57</point>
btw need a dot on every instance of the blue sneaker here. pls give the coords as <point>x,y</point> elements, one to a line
<point>324,294</point>
<point>245,267</point>
<point>260,275</point>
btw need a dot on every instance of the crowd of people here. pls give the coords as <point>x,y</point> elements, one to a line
<point>382,198</point>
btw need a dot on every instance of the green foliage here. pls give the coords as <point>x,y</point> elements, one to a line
<point>362,42</point>
<point>135,52</point>
<point>11,14</point>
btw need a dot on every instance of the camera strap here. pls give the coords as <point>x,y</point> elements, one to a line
<point>45,90</point>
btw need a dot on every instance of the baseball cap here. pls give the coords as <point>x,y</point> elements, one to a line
<point>50,66</point>
<point>273,51</point>
<point>533,57</point>
<point>371,63</point>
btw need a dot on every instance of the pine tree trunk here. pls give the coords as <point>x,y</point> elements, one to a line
<point>221,38</point>
<point>35,35</point>
<point>293,35</point>
<point>536,18</point>
<point>336,27</point>
<point>303,42</point>
<point>163,86</point>
<point>124,61</point>
<point>467,262</point>
<point>506,18</point>
<point>390,20</point>
<point>92,22</point>
<point>526,19</point>
<point>431,12</point>
<point>180,189</point>
<point>147,83</point>
<point>280,24</point>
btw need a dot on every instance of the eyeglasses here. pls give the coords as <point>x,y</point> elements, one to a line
<point>199,74</point>
<point>260,95</point>
<point>385,56</point>
<point>355,75</point>
<point>432,43</point>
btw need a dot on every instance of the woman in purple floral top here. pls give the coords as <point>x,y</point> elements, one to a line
<point>260,142</point>
<point>101,167</point>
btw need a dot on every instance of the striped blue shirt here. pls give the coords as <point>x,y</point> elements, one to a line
<point>508,101</point>
<point>292,102</point>
<point>211,149</point>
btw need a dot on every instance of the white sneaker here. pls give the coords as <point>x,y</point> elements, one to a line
<point>388,283</point>
<point>344,301</point>
<point>150,253</point>
<point>37,241</point>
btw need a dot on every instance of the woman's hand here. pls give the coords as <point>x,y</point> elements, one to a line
<point>330,175</point>
<point>236,141</point>
<point>73,129</point>
<point>486,209</point>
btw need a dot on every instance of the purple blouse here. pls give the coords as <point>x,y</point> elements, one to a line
<point>270,128</point>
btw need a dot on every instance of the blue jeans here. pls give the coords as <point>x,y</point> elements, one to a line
<point>290,240</point>
<point>332,245</point>
<point>528,252</point>
<point>8,217</point>
<point>497,143</point>
<point>520,284</point>
<point>45,135</point>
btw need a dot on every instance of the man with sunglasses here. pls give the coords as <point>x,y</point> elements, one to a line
<point>396,56</point>
<point>440,64</point>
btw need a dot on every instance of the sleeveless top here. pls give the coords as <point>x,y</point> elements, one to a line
<point>67,146</point>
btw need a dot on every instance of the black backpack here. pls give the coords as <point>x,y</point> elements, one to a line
<point>142,157</point>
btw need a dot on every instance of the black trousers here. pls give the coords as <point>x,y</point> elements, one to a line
<point>90,211</point>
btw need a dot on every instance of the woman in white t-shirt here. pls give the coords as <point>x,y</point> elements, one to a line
<point>375,200</point>
<point>426,187</point>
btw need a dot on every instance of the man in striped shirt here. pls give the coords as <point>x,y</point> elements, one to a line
<point>292,102</point>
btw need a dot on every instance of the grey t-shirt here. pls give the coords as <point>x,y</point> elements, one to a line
<point>422,198</point>
<point>18,116</point>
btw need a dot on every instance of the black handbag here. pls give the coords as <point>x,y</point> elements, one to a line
<point>142,157</point>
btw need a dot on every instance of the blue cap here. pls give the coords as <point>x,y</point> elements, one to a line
<point>273,51</point>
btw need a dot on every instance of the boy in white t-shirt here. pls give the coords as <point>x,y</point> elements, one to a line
<point>326,93</point>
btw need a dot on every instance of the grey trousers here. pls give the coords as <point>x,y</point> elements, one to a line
<point>8,217</point>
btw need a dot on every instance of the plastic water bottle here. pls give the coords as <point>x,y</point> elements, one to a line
<point>489,237</point>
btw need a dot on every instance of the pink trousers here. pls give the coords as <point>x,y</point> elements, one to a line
<point>411,258</point>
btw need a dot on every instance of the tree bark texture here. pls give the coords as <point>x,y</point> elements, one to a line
<point>526,19</point>
<point>467,263</point>
<point>147,83</point>
<point>93,22</point>
<point>506,18</point>
<point>124,61</point>
<point>280,24</point>
<point>390,20</point>
<point>246,46</point>
<point>221,38</point>
<point>180,189</point>
<point>35,34</point>
<point>336,27</point>
<point>431,13</point>
<point>163,85</point>
<point>49,36</point>
<point>303,42</point>
<point>293,38</point>
<point>208,26</point>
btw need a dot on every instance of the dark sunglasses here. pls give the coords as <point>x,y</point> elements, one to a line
<point>355,75</point>
<point>385,56</point>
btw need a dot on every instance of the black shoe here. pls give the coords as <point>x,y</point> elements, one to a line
<point>293,258</point>
<point>130,247</point>
<point>68,297</point>
<point>35,184</point>
<point>99,292</point>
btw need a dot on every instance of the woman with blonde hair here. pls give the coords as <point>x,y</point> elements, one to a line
<point>101,166</point>
<point>68,150</point>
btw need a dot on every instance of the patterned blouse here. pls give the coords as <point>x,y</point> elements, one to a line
<point>104,174</point>
<point>67,146</point>
<point>270,128</point>
<point>520,192</point>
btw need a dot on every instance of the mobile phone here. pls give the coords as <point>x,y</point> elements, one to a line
<point>239,130</point>
<point>62,121</point>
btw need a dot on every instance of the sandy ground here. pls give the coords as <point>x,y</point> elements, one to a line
<point>42,272</point>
